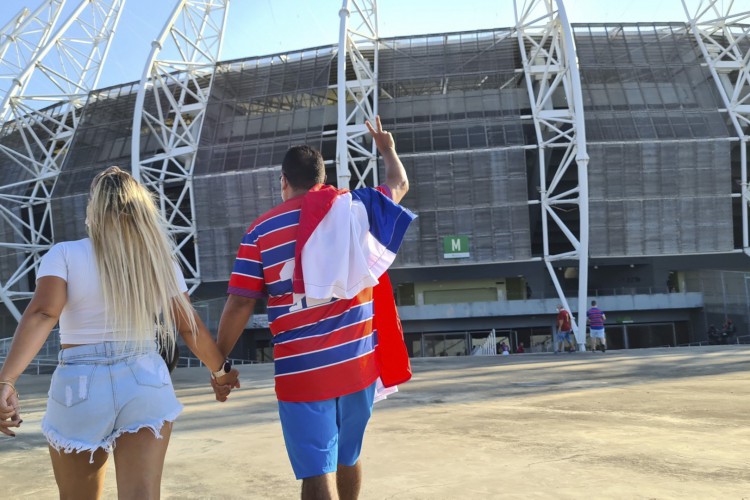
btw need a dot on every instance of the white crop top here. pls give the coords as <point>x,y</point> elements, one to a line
<point>83,317</point>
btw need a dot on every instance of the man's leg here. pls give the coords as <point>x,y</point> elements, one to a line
<point>349,481</point>
<point>311,437</point>
<point>354,412</point>
<point>321,487</point>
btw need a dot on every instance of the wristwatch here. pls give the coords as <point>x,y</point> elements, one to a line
<point>225,368</point>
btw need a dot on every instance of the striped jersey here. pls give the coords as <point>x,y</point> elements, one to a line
<point>321,351</point>
<point>596,318</point>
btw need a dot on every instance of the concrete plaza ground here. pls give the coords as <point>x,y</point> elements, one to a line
<point>658,423</point>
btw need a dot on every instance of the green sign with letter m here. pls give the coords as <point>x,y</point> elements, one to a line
<point>455,247</point>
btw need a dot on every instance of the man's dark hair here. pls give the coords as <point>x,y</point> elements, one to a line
<point>303,167</point>
<point>593,303</point>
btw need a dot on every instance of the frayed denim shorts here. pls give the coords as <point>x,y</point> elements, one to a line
<point>101,391</point>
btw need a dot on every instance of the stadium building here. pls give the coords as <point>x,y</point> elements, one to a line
<point>490,125</point>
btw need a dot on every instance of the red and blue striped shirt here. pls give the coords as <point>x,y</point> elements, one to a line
<point>321,351</point>
<point>596,318</point>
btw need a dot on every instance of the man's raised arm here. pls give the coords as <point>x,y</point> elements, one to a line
<point>395,174</point>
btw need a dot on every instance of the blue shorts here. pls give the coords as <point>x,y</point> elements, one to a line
<point>100,391</point>
<point>323,434</point>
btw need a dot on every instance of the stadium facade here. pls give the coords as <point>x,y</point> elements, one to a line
<point>665,214</point>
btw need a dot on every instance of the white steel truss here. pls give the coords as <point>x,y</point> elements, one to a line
<point>20,40</point>
<point>44,105</point>
<point>724,40</point>
<point>553,83</point>
<point>357,92</point>
<point>169,111</point>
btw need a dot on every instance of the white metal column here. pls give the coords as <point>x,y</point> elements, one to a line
<point>59,77</point>
<point>20,41</point>
<point>719,34</point>
<point>169,111</point>
<point>357,91</point>
<point>551,68</point>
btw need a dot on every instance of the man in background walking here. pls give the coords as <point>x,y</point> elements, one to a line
<point>596,318</point>
<point>564,330</point>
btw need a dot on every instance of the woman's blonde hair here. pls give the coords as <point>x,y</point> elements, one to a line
<point>134,256</point>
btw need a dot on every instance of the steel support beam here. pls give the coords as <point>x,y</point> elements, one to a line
<point>169,112</point>
<point>357,90</point>
<point>39,126</point>
<point>724,39</point>
<point>20,40</point>
<point>550,66</point>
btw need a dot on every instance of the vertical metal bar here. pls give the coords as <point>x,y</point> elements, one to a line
<point>582,160</point>
<point>175,79</point>
<point>67,64</point>
<point>553,62</point>
<point>625,338</point>
<point>343,177</point>
<point>718,24</point>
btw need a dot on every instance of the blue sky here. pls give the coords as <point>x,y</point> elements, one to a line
<point>257,27</point>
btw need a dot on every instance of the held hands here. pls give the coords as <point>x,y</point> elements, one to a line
<point>10,410</point>
<point>383,140</point>
<point>222,386</point>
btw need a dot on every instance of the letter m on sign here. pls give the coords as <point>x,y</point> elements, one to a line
<point>455,247</point>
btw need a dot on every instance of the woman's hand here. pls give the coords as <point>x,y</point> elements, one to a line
<point>222,386</point>
<point>10,409</point>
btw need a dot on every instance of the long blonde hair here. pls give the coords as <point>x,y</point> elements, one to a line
<point>134,256</point>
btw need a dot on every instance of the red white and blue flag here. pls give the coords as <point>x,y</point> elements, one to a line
<point>316,258</point>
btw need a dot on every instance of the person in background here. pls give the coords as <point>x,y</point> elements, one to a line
<point>596,318</point>
<point>564,330</point>
<point>727,331</point>
<point>714,337</point>
<point>504,349</point>
<point>520,349</point>
<point>114,293</point>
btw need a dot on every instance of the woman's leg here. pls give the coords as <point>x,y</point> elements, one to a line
<point>76,477</point>
<point>139,460</point>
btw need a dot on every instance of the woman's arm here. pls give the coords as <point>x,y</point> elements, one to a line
<point>39,318</point>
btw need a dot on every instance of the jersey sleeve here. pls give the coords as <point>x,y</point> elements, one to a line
<point>53,263</point>
<point>383,188</point>
<point>247,274</point>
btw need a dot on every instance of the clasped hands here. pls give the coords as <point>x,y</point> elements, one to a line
<point>222,386</point>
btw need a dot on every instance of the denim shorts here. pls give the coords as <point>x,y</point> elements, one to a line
<point>564,336</point>
<point>323,434</point>
<point>101,391</point>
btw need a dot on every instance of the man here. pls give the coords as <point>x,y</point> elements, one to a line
<point>564,330</point>
<point>727,331</point>
<point>595,318</point>
<point>325,367</point>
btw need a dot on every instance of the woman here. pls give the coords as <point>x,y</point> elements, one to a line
<point>111,391</point>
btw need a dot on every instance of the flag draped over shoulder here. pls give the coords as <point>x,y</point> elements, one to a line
<point>345,242</point>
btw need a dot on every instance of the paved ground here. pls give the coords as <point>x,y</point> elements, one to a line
<point>661,423</point>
